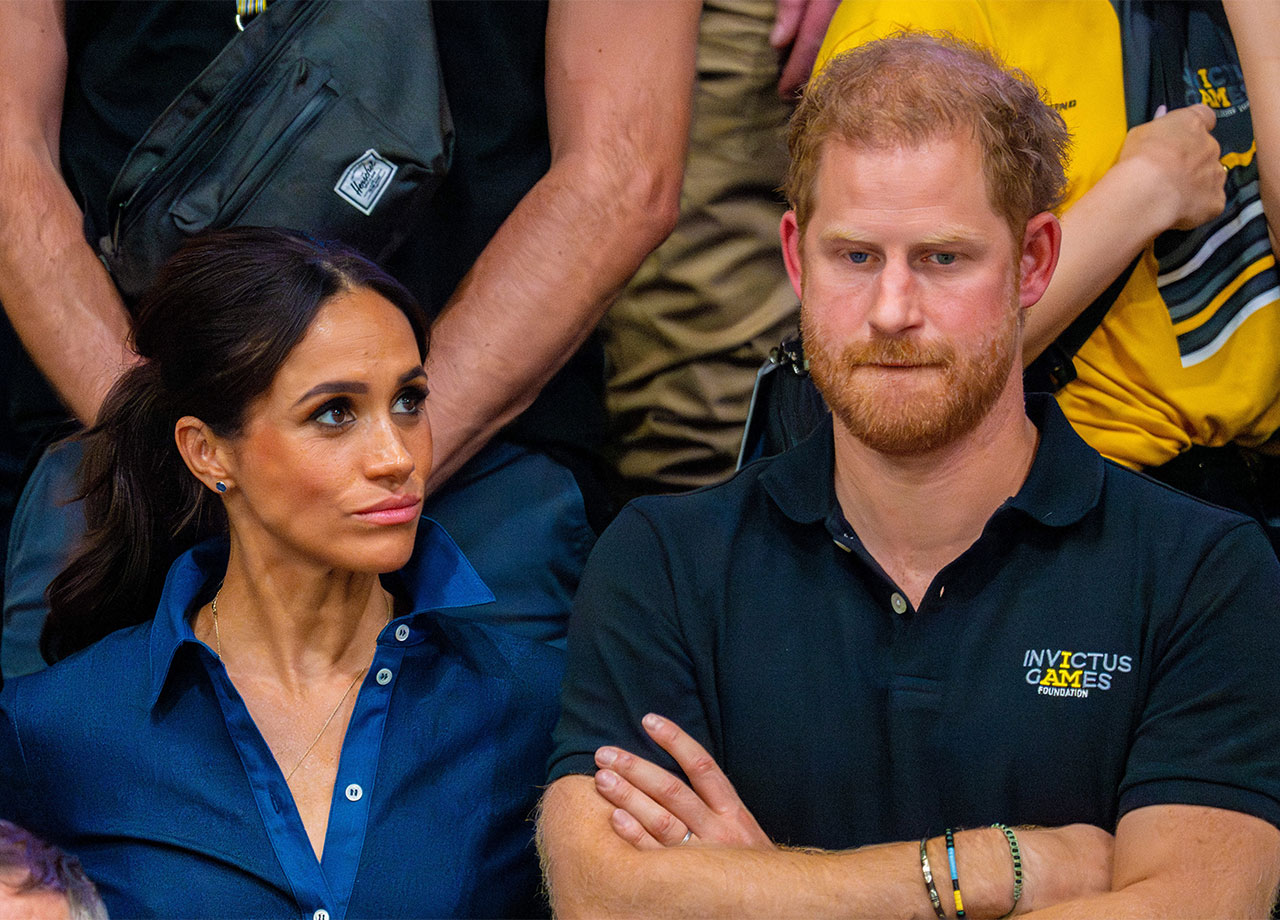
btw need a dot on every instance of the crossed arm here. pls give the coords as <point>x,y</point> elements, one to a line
<point>612,848</point>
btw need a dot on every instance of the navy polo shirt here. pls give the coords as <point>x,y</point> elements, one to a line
<point>1106,644</point>
<point>138,756</point>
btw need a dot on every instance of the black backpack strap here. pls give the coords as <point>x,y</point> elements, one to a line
<point>1053,369</point>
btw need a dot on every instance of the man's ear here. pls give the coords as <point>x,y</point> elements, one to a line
<point>789,230</point>
<point>1040,247</point>
<point>204,453</point>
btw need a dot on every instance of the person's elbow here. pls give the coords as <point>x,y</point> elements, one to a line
<point>632,189</point>
<point>581,857</point>
<point>655,199</point>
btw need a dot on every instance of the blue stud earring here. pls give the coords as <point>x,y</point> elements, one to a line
<point>220,486</point>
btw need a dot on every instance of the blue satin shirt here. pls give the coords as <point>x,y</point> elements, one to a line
<point>138,756</point>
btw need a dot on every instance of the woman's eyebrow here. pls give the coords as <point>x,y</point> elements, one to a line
<point>353,386</point>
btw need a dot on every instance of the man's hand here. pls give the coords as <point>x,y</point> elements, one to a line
<point>798,30</point>
<point>1178,151</point>
<point>654,809</point>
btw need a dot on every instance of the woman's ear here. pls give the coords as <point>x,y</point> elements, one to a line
<point>204,453</point>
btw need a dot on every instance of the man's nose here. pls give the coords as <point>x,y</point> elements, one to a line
<point>895,307</point>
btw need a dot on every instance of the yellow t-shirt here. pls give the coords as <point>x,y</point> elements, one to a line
<point>1136,399</point>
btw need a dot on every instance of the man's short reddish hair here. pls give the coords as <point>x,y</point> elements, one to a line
<point>911,87</point>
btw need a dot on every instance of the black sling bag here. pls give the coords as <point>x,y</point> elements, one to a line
<point>324,116</point>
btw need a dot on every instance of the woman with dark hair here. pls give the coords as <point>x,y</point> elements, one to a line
<point>277,726</point>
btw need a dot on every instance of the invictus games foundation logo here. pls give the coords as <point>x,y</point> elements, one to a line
<point>1059,672</point>
<point>364,181</point>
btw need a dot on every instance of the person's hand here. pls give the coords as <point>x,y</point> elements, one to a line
<point>1064,863</point>
<point>1177,151</point>
<point>655,809</point>
<point>798,30</point>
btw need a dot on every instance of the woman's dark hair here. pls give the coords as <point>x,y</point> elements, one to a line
<point>212,332</point>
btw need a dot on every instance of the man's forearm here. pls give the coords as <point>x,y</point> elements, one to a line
<point>1185,861</point>
<point>619,84</point>
<point>57,295</point>
<point>532,298</point>
<point>593,874</point>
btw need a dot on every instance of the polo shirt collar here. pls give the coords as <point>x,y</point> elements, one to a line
<point>437,577</point>
<point>1065,481</point>
<point>801,481</point>
<point>1063,485</point>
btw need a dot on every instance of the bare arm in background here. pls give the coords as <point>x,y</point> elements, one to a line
<point>1167,176</point>
<point>1255,26</point>
<point>56,293</point>
<point>619,86</point>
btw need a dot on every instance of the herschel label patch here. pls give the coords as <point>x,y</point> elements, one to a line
<point>364,181</point>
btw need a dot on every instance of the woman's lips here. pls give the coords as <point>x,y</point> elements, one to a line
<point>399,509</point>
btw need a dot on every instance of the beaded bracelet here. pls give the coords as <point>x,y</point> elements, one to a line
<point>955,875</point>
<point>928,879</point>
<point>1016,853</point>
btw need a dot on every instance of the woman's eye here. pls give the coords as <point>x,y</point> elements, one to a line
<point>410,401</point>
<point>333,414</point>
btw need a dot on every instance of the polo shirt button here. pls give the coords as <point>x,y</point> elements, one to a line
<point>402,632</point>
<point>384,676</point>
<point>898,602</point>
<point>354,792</point>
<point>320,914</point>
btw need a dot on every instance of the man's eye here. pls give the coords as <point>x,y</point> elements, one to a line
<point>944,258</point>
<point>858,258</point>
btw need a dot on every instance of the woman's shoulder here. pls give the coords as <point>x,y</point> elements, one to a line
<point>100,680</point>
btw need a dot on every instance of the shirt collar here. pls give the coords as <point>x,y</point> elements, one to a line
<point>437,577</point>
<point>1064,483</point>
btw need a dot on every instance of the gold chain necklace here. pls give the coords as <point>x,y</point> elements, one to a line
<point>217,639</point>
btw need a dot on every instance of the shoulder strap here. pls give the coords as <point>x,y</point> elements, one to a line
<point>1053,369</point>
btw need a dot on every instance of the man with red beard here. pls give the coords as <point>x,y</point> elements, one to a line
<point>941,612</point>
